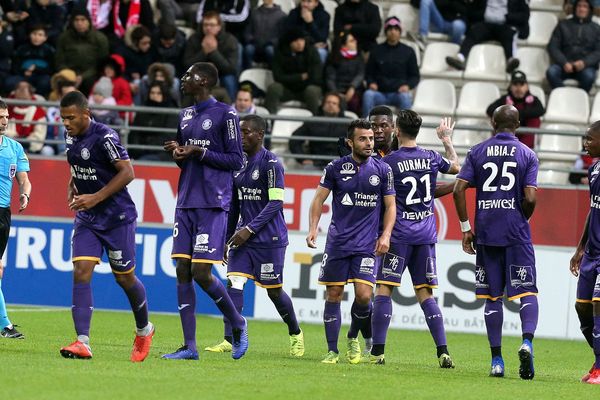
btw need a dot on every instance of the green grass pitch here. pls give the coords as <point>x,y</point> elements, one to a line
<point>33,369</point>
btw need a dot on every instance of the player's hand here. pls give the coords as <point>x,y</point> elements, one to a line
<point>24,201</point>
<point>576,262</point>
<point>382,246</point>
<point>445,129</point>
<point>183,152</point>
<point>239,238</point>
<point>84,202</point>
<point>311,240</point>
<point>467,242</point>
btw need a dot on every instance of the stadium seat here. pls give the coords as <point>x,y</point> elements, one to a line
<point>435,97</point>
<point>464,139</point>
<point>534,62</point>
<point>595,114</point>
<point>475,97</point>
<point>350,114</point>
<point>486,62</point>
<point>552,177</point>
<point>568,105</point>
<point>427,136</point>
<point>546,5</point>
<point>261,77</point>
<point>434,61</point>
<point>539,93</point>
<point>408,15</point>
<point>286,5</point>
<point>282,130</point>
<point>330,7</point>
<point>260,110</point>
<point>541,25</point>
<point>415,48</point>
<point>559,148</point>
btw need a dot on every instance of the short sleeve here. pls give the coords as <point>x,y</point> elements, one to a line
<point>467,171</point>
<point>22,160</point>
<point>327,179</point>
<point>388,181</point>
<point>114,150</point>
<point>531,172</point>
<point>275,182</point>
<point>442,162</point>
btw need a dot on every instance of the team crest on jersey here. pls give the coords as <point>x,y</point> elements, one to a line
<point>347,169</point>
<point>206,124</point>
<point>255,174</point>
<point>374,180</point>
<point>12,171</point>
<point>85,153</point>
<point>187,114</point>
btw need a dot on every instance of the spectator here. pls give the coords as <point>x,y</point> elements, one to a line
<point>34,61</point>
<point>169,45</point>
<point>345,71</point>
<point>331,107</point>
<point>445,16</point>
<point>159,72</point>
<point>213,44</point>
<point>569,5</point>
<point>583,162</point>
<point>125,15</point>
<point>502,21</point>
<point>361,18</point>
<point>27,122</point>
<point>113,67</point>
<point>158,96</point>
<point>138,57</point>
<point>575,49</point>
<point>56,131</point>
<point>80,48</point>
<point>244,103</point>
<point>234,13</point>
<point>7,45</point>
<point>16,13</point>
<point>297,72</point>
<point>391,72</point>
<point>170,11</point>
<point>310,15</point>
<point>62,77</point>
<point>50,15</point>
<point>262,33</point>
<point>102,96</point>
<point>529,106</point>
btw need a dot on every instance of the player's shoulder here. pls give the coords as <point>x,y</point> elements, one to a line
<point>527,151</point>
<point>102,132</point>
<point>226,110</point>
<point>269,159</point>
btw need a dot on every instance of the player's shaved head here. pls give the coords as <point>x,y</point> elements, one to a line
<point>257,123</point>
<point>505,119</point>
<point>209,71</point>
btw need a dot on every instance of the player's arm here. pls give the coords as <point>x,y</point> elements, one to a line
<point>389,218</point>
<point>576,259</point>
<point>460,202</point>
<point>316,209</point>
<point>444,132</point>
<point>443,188</point>
<point>233,216</point>
<point>529,201</point>
<point>123,177</point>
<point>24,189</point>
<point>232,158</point>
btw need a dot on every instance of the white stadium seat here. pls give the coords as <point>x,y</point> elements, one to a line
<point>408,15</point>
<point>428,137</point>
<point>464,139</point>
<point>546,5</point>
<point>552,177</point>
<point>486,62</point>
<point>568,105</point>
<point>595,114</point>
<point>330,7</point>
<point>534,62</point>
<point>350,114</point>
<point>434,61</point>
<point>415,48</point>
<point>261,77</point>
<point>539,93</point>
<point>541,25</point>
<point>475,97</point>
<point>260,110</point>
<point>559,148</point>
<point>435,97</point>
<point>282,130</point>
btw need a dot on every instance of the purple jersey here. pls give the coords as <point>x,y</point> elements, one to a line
<point>500,169</point>
<point>91,156</point>
<point>415,173</point>
<point>207,182</point>
<point>358,191</point>
<point>260,187</point>
<point>592,248</point>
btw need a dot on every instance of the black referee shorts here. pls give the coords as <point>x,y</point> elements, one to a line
<point>4,228</point>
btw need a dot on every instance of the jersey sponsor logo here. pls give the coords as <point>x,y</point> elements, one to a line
<point>347,169</point>
<point>374,180</point>
<point>347,201</point>
<point>188,113</point>
<point>494,204</point>
<point>521,276</point>
<point>12,170</point>
<point>480,281</point>
<point>266,268</point>
<point>69,140</point>
<point>231,131</point>
<point>595,172</point>
<point>322,180</point>
<point>392,266</point>
<point>255,174</point>
<point>85,153</point>
<point>430,270</point>
<point>115,254</point>
<point>202,238</point>
<point>417,215</point>
<point>113,153</point>
<point>367,266</point>
<point>271,178</point>
<point>198,142</point>
<point>206,124</point>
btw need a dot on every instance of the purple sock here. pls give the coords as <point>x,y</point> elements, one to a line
<point>332,318</point>
<point>494,318</point>
<point>435,321</point>
<point>529,314</point>
<point>186,299</point>
<point>597,341</point>
<point>237,297</point>
<point>360,314</point>
<point>139,304</point>
<point>218,293</point>
<point>382,316</point>
<point>285,308</point>
<point>83,305</point>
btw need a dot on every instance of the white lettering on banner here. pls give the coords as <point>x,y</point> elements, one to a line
<point>30,243</point>
<point>57,260</point>
<point>137,191</point>
<point>166,199</point>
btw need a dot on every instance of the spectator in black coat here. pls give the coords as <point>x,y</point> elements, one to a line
<point>310,16</point>
<point>169,46</point>
<point>361,18</point>
<point>345,71</point>
<point>50,15</point>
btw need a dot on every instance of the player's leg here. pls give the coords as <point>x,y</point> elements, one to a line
<point>332,319</point>
<point>589,310</point>
<point>594,377</point>
<point>521,284</point>
<point>285,308</point>
<point>235,289</point>
<point>7,329</point>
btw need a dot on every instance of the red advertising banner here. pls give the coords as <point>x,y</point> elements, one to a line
<point>558,219</point>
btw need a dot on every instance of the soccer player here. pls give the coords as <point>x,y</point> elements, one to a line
<point>208,150</point>
<point>585,261</point>
<point>415,231</point>
<point>361,186</point>
<point>382,120</point>
<point>16,165</point>
<point>504,173</point>
<point>105,220</point>
<point>257,248</point>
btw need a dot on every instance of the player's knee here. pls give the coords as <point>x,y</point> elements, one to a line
<point>584,309</point>
<point>236,282</point>
<point>274,293</point>
<point>334,294</point>
<point>183,272</point>
<point>125,280</point>
<point>202,273</point>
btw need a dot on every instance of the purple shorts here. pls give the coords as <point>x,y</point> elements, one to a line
<point>588,284</point>
<point>512,267</point>
<point>199,234</point>
<point>341,266</point>
<point>119,243</point>
<point>264,266</point>
<point>420,260</point>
